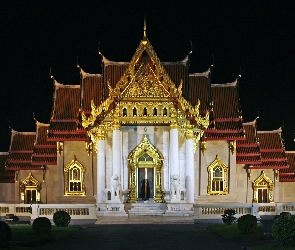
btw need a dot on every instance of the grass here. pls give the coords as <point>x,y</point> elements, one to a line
<point>24,238</point>
<point>232,232</point>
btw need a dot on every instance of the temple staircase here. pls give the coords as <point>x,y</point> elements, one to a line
<point>146,208</point>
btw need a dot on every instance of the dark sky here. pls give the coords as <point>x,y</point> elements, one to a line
<point>256,37</point>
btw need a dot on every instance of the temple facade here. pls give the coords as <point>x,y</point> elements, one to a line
<point>146,137</point>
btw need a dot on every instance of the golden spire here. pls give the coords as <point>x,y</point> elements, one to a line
<point>144,40</point>
<point>144,27</point>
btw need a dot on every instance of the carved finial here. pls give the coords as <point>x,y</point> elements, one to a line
<point>191,47</point>
<point>77,61</point>
<point>99,48</point>
<point>144,27</point>
<point>144,40</point>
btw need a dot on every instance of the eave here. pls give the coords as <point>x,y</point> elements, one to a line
<point>268,167</point>
<point>68,139</point>
<point>248,145</point>
<point>44,163</point>
<point>248,162</point>
<point>247,154</point>
<point>223,139</point>
<point>272,150</point>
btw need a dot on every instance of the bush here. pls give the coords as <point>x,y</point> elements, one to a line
<point>247,224</point>
<point>41,225</point>
<point>228,217</point>
<point>61,219</point>
<point>5,234</point>
<point>283,229</point>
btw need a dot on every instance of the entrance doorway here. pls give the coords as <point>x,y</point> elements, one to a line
<point>30,190</point>
<point>145,172</point>
<point>145,186</point>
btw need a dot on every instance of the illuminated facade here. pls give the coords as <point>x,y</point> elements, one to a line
<point>146,132</point>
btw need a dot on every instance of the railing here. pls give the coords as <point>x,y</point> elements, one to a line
<point>214,211</point>
<point>76,211</point>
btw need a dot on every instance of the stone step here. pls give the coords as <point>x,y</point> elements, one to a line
<point>146,209</point>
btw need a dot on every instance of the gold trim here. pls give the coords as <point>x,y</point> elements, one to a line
<point>145,95</point>
<point>133,164</point>
<point>263,182</point>
<point>81,168</point>
<point>217,163</point>
<point>232,147</point>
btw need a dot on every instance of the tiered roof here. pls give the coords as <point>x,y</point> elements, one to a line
<point>288,175</point>
<point>259,150</point>
<point>226,119</point>
<point>21,150</point>
<point>64,122</point>
<point>248,150</point>
<point>44,150</point>
<point>272,150</point>
<point>6,176</point>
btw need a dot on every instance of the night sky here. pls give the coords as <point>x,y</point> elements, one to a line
<point>255,38</point>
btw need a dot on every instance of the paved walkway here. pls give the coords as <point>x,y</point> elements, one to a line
<point>144,236</point>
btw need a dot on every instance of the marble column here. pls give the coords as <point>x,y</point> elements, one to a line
<point>174,157</point>
<point>189,163</point>
<point>101,171</point>
<point>116,152</point>
<point>174,162</point>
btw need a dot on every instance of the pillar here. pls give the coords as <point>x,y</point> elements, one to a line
<point>189,166</point>
<point>101,171</point>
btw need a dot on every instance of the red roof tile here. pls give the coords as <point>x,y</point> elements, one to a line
<point>6,176</point>
<point>288,175</point>
<point>200,90</point>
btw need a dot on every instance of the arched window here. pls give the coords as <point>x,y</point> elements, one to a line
<point>124,112</point>
<point>74,173</point>
<point>263,189</point>
<point>164,112</point>
<point>134,111</point>
<point>145,111</point>
<point>217,178</point>
<point>155,111</point>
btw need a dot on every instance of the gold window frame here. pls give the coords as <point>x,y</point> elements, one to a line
<point>73,165</point>
<point>217,163</point>
<point>263,182</point>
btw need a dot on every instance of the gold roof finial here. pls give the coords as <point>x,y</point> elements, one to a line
<point>144,27</point>
<point>144,40</point>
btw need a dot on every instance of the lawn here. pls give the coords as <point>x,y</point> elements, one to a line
<point>23,236</point>
<point>232,232</point>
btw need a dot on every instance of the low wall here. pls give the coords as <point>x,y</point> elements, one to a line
<point>80,213</point>
<point>211,213</point>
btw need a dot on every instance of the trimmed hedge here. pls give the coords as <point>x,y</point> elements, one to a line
<point>247,224</point>
<point>41,225</point>
<point>5,234</point>
<point>228,217</point>
<point>61,219</point>
<point>283,229</point>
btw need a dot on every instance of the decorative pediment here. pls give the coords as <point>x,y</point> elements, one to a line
<point>263,181</point>
<point>145,148</point>
<point>30,181</point>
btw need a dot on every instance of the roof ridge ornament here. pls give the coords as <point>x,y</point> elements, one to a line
<point>144,40</point>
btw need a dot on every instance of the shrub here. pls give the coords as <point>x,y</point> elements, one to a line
<point>5,234</point>
<point>247,224</point>
<point>61,219</point>
<point>41,225</point>
<point>228,217</point>
<point>283,229</point>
